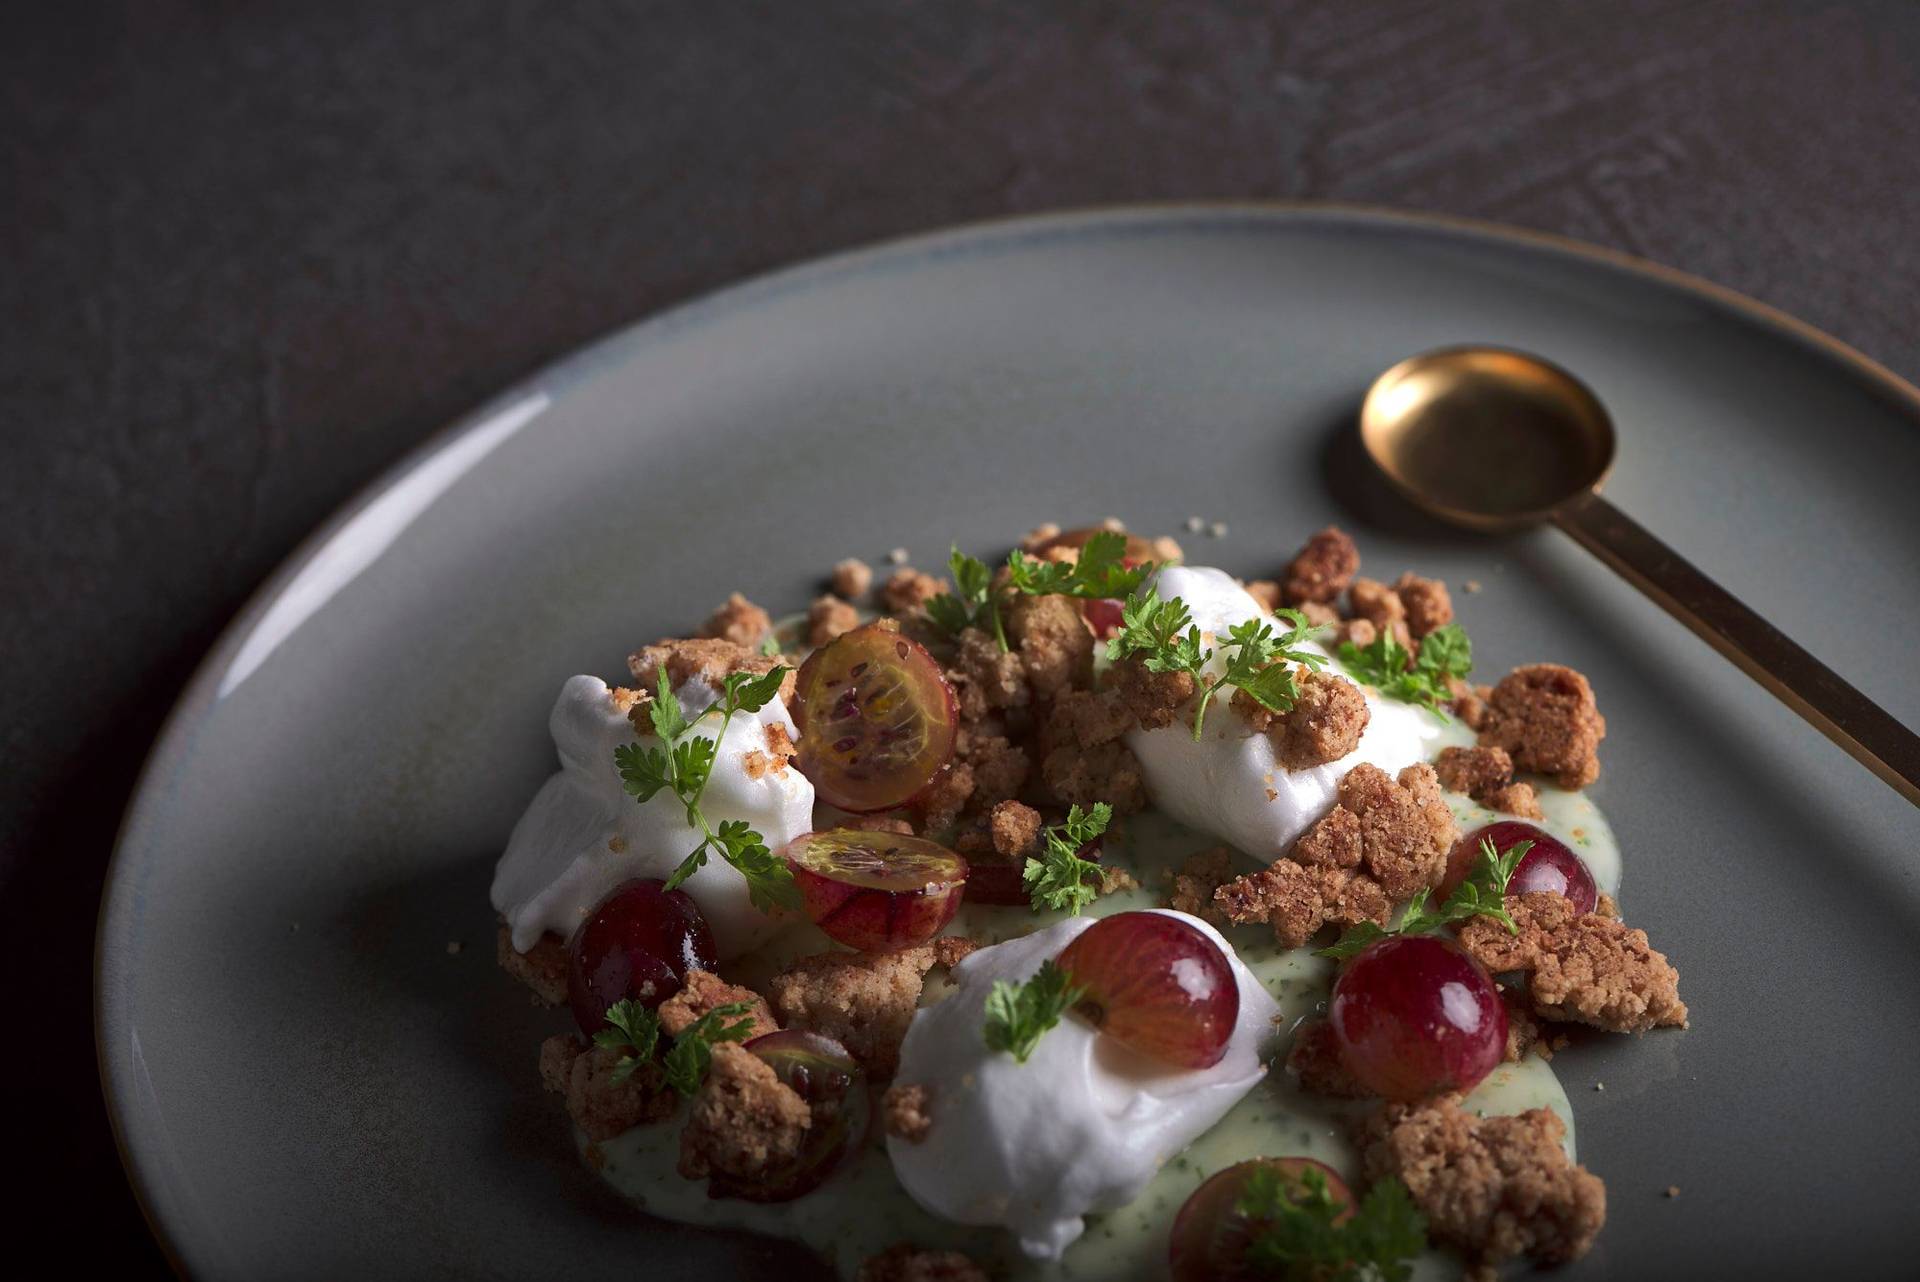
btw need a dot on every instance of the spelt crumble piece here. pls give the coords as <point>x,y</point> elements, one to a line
<point>543,967</point>
<point>1076,776</point>
<point>1496,1187</point>
<point>1190,888</point>
<point>744,1122</point>
<point>1053,640</point>
<point>1089,718</point>
<point>1606,907</point>
<point>907,591</point>
<point>1517,799</point>
<point>906,1263</point>
<point>1324,724</point>
<point>1000,766</point>
<point>1404,829</point>
<point>1322,569</point>
<point>904,1112</point>
<point>1115,880</point>
<point>1427,603</point>
<point>1486,775</point>
<point>829,617</point>
<point>1016,830</point>
<point>738,620</point>
<point>947,796</point>
<point>1039,536</point>
<point>1165,549</point>
<point>1296,901</point>
<point>1381,606</point>
<point>986,678</point>
<point>1545,717</point>
<point>1316,1061</point>
<point>851,579</point>
<point>863,1000</point>
<point>1469,702</point>
<point>600,1106</point>
<point>1523,1030</point>
<point>701,993</point>
<point>876,823</point>
<point>709,658</point>
<point>1584,969</point>
<point>1154,698</point>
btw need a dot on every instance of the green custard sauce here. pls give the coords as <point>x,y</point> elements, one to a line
<point>862,1210</point>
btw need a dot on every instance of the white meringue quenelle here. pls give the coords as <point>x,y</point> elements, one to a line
<point>1228,783</point>
<point>1082,1126</point>
<point>583,834</point>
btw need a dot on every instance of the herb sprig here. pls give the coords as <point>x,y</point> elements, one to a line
<point>1294,1234</point>
<point>1258,659</point>
<point>1019,1015</point>
<point>971,604</point>
<point>681,763</point>
<point>635,1029</point>
<point>1099,573</point>
<point>1482,894</point>
<point>1057,880</point>
<point>1391,668</point>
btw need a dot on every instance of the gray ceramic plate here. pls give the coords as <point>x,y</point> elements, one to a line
<point>307,1082</point>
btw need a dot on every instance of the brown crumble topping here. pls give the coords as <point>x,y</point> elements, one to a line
<point>906,1263</point>
<point>1154,698</point>
<point>986,678</point>
<point>1115,880</point>
<point>1267,593</point>
<point>947,796</point>
<point>601,1107</point>
<point>1584,969</point>
<point>1469,702</point>
<point>1427,603</point>
<point>1496,1187</point>
<point>1166,549</point>
<point>1296,901</point>
<point>701,993</point>
<point>1084,776</point>
<point>1381,606</point>
<point>627,702</point>
<point>903,1111</point>
<point>1544,715</point>
<point>1053,640</point>
<point>907,590</point>
<point>851,579</point>
<point>1322,569</point>
<point>1324,724</point>
<point>711,659</point>
<point>1486,775</point>
<point>1673,1190</point>
<point>862,1000</point>
<point>1038,535</point>
<point>543,967</point>
<point>738,620</point>
<point>744,1121</point>
<point>1316,1061</point>
<point>1000,767</point>
<point>1606,907</point>
<point>1089,718</point>
<point>1016,830</point>
<point>876,823</point>
<point>829,617</point>
<point>1190,888</point>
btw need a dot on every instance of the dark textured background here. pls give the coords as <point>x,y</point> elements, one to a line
<point>252,253</point>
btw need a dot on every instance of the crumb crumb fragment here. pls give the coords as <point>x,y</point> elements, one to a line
<point>1580,968</point>
<point>862,1000</point>
<point>851,579</point>
<point>905,1262</point>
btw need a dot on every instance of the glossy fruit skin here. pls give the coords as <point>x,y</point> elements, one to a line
<point>995,879</point>
<point>1550,865</point>
<point>1209,1238</point>
<point>831,1082</point>
<point>877,719</point>
<point>877,891</point>
<point>1416,1015</point>
<point>639,942</point>
<point>1104,616</point>
<point>1157,984</point>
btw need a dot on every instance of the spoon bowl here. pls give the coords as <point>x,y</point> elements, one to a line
<point>1485,437</point>
<point>1493,439</point>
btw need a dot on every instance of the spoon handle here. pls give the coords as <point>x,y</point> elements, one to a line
<point>1762,651</point>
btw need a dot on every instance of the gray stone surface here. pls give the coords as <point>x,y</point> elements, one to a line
<point>251,254</point>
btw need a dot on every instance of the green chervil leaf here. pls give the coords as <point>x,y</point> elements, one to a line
<point>687,1062</point>
<point>1482,894</point>
<point>630,1027</point>
<point>971,604</point>
<point>1100,573</point>
<point>683,763</point>
<point>1019,1015</point>
<point>1291,1234</point>
<point>1257,659</point>
<point>1390,667</point>
<point>1058,879</point>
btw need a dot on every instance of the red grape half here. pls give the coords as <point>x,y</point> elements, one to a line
<point>639,942</point>
<point>1416,1015</point>
<point>1158,984</point>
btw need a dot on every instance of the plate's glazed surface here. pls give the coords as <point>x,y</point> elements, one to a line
<point>309,1083</point>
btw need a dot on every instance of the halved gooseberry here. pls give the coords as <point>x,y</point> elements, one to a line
<point>1158,984</point>
<point>877,719</point>
<point>877,891</point>
<point>829,1079</point>
<point>1210,1235</point>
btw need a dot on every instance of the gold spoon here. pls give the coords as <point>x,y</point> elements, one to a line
<point>1495,440</point>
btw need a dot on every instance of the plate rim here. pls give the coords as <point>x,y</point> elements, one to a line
<point>200,689</point>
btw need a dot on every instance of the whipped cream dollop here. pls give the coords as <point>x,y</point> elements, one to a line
<point>1082,1126</point>
<point>1228,783</point>
<point>583,834</point>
